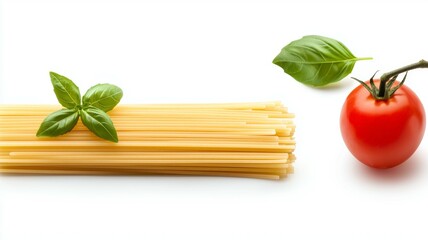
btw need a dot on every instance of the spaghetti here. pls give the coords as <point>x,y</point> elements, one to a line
<point>238,140</point>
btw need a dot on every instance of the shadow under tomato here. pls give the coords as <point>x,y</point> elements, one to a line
<point>405,171</point>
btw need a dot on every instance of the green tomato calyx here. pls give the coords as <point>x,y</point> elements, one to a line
<point>386,89</point>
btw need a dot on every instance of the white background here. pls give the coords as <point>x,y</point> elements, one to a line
<point>219,51</point>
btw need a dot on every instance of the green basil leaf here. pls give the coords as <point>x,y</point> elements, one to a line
<point>66,91</point>
<point>99,123</point>
<point>102,96</point>
<point>316,60</point>
<point>58,123</point>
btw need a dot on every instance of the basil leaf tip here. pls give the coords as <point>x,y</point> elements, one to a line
<point>99,123</point>
<point>98,100</point>
<point>58,123</point>
<point>316,60</point>
<point>66,91</point>
<point>102,96</point>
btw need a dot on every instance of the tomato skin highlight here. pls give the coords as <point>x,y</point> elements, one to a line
<point>382,133</point>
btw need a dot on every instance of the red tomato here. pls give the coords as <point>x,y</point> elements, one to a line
<point>382,133</point>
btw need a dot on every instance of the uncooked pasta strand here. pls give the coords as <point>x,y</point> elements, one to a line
<point>83,172</point>
<point>150,155</point>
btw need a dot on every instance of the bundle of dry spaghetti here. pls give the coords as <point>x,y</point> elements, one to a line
<point>234,139</point>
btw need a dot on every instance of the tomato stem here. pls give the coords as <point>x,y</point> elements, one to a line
<point>384,92</point>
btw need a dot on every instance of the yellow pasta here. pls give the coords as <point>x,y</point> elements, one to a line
<point>232,139</point>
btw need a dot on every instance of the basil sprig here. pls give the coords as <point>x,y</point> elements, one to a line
<point>98,100</point>
<point>316,60</point>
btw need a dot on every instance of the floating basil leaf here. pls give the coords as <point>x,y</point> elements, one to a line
<point>66,91</point>
<point>102,96</point>
<point>99,123</point>
<point>58,123</point>
<point>316,60</point>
